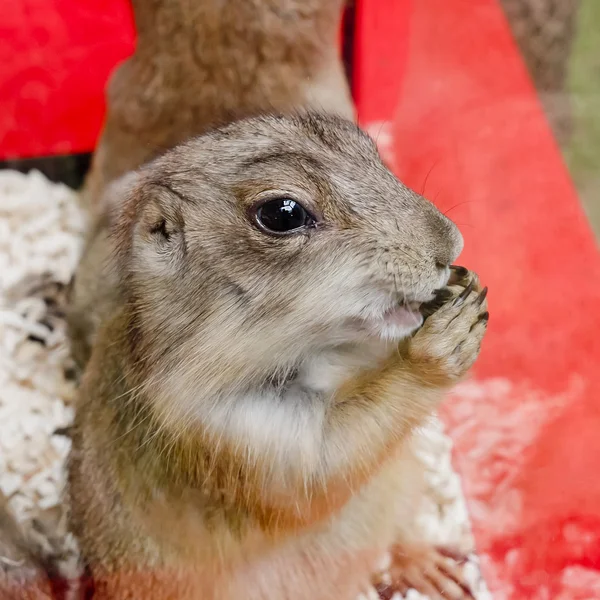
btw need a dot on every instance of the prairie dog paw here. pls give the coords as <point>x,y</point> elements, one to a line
<point>430,570</point>
<point>463,277</point>
<point>449,342</point>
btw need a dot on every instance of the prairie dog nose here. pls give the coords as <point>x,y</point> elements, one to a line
<point>445,240</point>
<point>450,245</point>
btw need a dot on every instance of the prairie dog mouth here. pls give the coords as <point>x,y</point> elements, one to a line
<point>398,321</point>
<point>403,315</point>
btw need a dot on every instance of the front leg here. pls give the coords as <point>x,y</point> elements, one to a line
<point>372,414</point>
<point>453,330</point>
<point>430,570</point>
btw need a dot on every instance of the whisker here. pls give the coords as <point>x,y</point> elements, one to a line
<point>457,205</point>
<point>427,176</point>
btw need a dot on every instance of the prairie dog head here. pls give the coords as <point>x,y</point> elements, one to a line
<point>255,246</point>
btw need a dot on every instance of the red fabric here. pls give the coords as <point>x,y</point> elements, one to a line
<point>442,86</point>
<point>467,129</point>
<point>380,56</point>
<point>55,58</point>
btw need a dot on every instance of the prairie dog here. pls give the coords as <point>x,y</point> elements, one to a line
<point>244,422</point>
<point>204,63</point>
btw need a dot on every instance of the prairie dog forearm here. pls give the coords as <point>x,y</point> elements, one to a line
<point>366,424</point>
<point>371,417</point>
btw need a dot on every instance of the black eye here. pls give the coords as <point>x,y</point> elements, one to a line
<point>283,215</point>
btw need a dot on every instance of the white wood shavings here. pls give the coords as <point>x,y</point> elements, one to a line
<point>40,233</point>
<point>41,229</point>
<point>443,518</point>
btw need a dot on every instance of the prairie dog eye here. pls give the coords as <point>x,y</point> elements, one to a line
<point>282,216</point>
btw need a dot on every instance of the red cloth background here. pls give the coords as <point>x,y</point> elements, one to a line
<point>441,84</point>
<point>55,59</point>
<point>463,124</point>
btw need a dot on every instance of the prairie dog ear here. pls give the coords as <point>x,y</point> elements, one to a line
<point>158,232</point>
<point>146,224</point>
<point>160,216</point>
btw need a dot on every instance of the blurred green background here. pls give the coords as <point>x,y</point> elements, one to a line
<point>582,152</point>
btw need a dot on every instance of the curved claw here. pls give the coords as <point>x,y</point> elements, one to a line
<point>464,294</point>
<point>460,272</point>
<point>481,296</point>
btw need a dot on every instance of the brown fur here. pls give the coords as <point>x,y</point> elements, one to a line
<point>190,467</point>
<point>202,64</point>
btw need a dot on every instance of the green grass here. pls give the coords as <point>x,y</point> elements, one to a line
<point>583,152</point>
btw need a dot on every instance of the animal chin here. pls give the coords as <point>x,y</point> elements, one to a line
<point>398,322</point>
